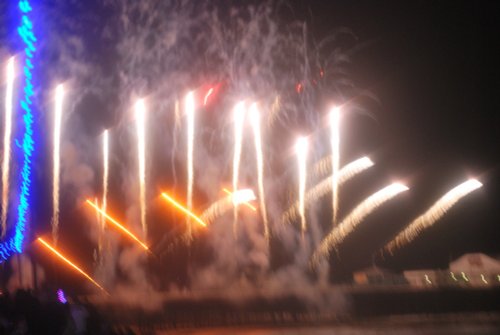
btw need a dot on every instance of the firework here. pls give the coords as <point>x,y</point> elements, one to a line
<point>325,186</point>
<point>140,119</point>
<point>255,121</point>
<point>117,224</point>
<point>335,141</point>
<point>6,144</point>
<point>183,209</point>
<point>57,161</point>
<point>239,120</point>
<point>242,197</point>
<point>209,93</point>
<point>301,150</point>
<point>357,215</point>
<point>434,213</point>
<point>70,263</point>
<point>223,205</point>
<point>189,105</point>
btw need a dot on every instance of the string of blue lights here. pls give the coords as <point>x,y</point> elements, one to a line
<point>25,30</point>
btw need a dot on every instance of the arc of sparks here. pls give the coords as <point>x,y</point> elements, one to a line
<point>301,150</point>
<point>239,119</point>
<point>190,109</point>
<point>70,263</point>
<point>325,186</point>
<point>183,209</point>
<point>357,215</point>
<point>117,224</point>
<point>239,201</point>
<point>57,161</point>
<point>140,114</point>
<point>335,141</point>
<point>433,214</point>
<point>256,126</point>
<point>6,144</point>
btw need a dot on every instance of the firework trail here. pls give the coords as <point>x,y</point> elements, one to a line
<point>223,205</point>
<point>434,213</point>
<point>57,162</point>
<point>183,209</point>
<point>238,196</point>
<point>6,144</point>
<point>70,263</point>
<point>140,115</point>
<point>325,186</point>
<point>105,177</point>
<point>189,105</point>
<point>255,121</point>
<point>335,141</point>
<point>117,224</point>
<point>357,215</point>
<point>301,150</point>
<point>239,120</point>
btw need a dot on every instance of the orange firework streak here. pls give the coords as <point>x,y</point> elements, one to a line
<point>246,203</point>
<point>117,224</point>
<point>70,263</point>
<point>183,209</point>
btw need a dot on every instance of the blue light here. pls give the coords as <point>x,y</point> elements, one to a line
<point>25,31</point>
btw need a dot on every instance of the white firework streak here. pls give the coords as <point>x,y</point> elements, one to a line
<point>239,120</point>
<point>255,121</point>
<point>223,205</point>
<point>140,118</point>
<point>357,215</point>
<point>433,214</point>
<point>189,106</point>
<point>335,141</point>
<point>6,144</point>
<point>301,150</point>
<point>325,186</point>
<point>57,162</point>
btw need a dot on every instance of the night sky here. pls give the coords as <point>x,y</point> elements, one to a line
<point>432,122</point>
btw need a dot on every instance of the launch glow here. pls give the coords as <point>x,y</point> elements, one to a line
<point>242,197</point>
<point>140,118</point>
<point>56,161</point>
<point>301,151</point>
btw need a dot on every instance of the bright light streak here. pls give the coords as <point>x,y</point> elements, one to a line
<point>61,297</point>
<point>189,106</point>
<point>325,186</point>
<point>434,213</point>
<point>335,142</point>
<point>183,209</point>
<point>301,147</point>
<point>209,93</point>
<point>453,276</point>
<point>242,197</point>
<point>255,121</point>
<point>427,279</point>
<point>484,279</point>
<point>6,144</point>
<point>239,120</point>
<point>355,217</point>
<point>140,118</point>
<point>70,263</point>
<point>464,276</point>
<point>117,224</point>
<point>57,161</point>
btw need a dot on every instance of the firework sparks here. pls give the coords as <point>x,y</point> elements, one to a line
<point>239,120</point>
<point>57,161</point>
<point>70,263</point>
<point>140,118</point>
<point>433,214</point>
<point>335,141</point>
<point>117,224</point>
<point>209,93</point>
<point>301,150</point>
<point>189,105</point>
<point>242,197</point>
<point>255,121</point>
<point>358,214</point>
<point>325,186</point>
<point>183,209</point>
<point>6,144</point>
